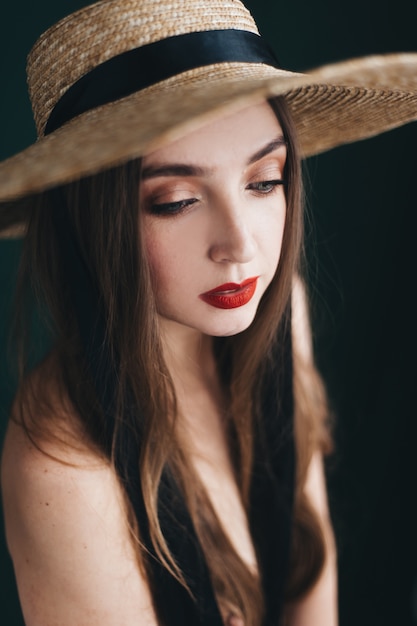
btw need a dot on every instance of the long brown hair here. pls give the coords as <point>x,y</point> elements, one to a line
<point>103,211</point>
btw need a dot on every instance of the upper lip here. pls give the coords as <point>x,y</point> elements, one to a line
<point>231,286</point>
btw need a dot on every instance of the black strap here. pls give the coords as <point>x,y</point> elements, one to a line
<point>142,67</point>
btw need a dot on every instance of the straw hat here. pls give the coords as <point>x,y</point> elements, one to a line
<point>121,77</point>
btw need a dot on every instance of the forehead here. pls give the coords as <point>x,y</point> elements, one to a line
<point>236,136</point>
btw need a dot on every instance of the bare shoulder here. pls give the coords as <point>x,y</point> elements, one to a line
<point>67,533</point>
<point>39,483</point>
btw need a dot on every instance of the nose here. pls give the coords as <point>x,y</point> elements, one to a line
<point>232,240</point>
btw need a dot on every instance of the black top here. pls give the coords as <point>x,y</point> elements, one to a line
<point>270,520</point>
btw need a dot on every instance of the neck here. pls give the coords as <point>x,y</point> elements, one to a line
<point>192,366</point>
<point>188,353</point>
<point>201,402</point>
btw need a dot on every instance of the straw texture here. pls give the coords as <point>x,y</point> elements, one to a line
<point>332,105</point>
<point>101,31</point>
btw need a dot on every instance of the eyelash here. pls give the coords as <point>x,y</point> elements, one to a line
<point>262,188</point>
<point>271,184</point>
<point>171,208</point>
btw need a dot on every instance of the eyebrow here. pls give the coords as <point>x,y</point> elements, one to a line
<point>172,169</point>
<point>184,169</point>
<point>270,147</point>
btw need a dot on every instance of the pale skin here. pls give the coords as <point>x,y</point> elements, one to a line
<point>66,525</point>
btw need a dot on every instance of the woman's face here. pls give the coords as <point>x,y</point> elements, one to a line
<point>213,212</point>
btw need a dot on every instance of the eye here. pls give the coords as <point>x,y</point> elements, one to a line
<point>171,208</point>
<point>265,187</point>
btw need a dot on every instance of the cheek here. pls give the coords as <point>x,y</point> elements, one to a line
<point>272,235</point>
<point>166,258</point>
<point>155,253</point>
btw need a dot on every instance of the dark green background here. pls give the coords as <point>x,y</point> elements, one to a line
<point>361,244</point>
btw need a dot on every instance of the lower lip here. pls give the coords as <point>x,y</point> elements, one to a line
<point>234,298</point>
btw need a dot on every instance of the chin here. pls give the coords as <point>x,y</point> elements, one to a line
<point>232,327</point>
<point>212,323</point>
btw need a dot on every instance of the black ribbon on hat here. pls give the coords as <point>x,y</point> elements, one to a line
<point>142,67</point>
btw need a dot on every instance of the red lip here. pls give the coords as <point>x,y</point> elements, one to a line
<point>231,295</point>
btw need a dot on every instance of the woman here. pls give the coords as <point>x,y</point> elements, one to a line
<point>166,453</point>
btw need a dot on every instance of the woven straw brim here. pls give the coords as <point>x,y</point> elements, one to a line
<point>333,105</point>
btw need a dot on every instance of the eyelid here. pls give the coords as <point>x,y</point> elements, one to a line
<point>177,207</point>
<point>157,189</point>
<point>270,170</point>
<point>169,192</point>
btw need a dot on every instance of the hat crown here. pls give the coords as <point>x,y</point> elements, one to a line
<point>85,39</point>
